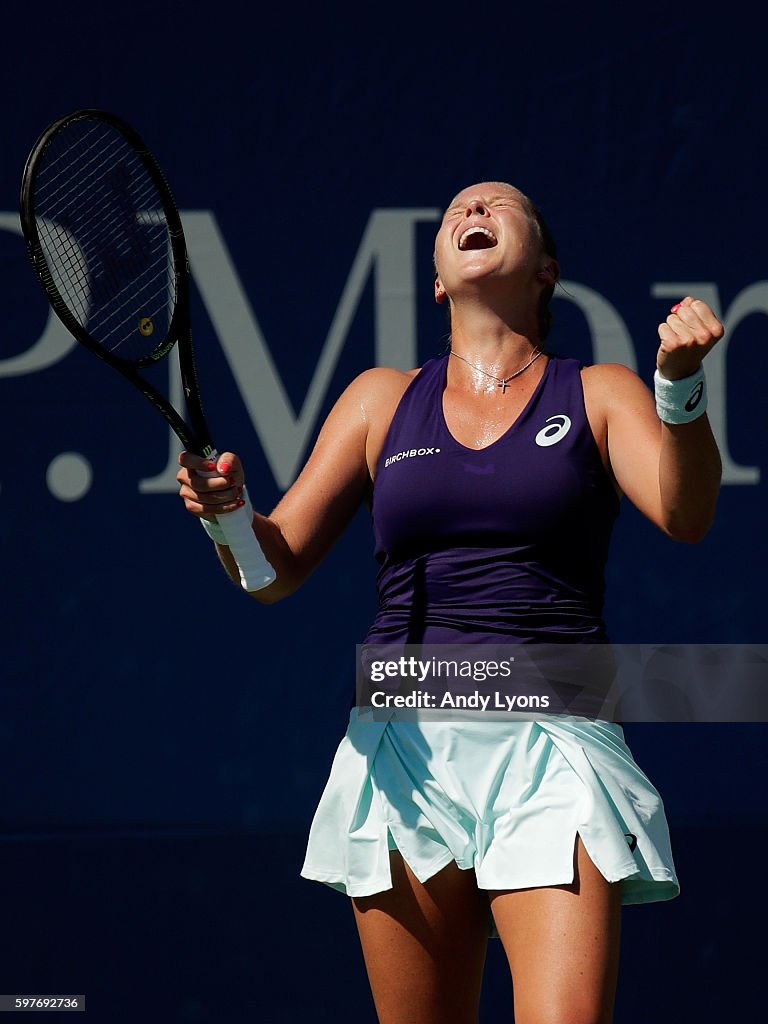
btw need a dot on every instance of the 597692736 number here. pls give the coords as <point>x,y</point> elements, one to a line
<point>37,1002</point>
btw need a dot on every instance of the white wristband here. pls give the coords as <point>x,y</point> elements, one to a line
<point>213,529</point>
<point>680,401</point>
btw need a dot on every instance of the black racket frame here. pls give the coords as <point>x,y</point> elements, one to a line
<point>195,435</point>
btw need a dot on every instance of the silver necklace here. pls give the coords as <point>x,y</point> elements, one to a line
<point>501,381</point>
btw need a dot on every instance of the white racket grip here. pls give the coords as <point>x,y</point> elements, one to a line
<point>237,527</point>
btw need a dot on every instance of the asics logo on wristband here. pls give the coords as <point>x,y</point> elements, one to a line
<point>558,427</point>
<point>695,397</point>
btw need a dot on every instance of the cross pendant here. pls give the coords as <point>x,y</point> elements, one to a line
<point>503,385</point>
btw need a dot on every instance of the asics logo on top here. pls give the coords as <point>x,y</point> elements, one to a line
<point>558,427</point>
<point>410,454</point>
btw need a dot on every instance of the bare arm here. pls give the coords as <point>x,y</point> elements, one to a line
<point>671,472</point>
<point>318,506</point>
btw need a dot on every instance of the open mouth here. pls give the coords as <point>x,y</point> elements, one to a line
<point>477,237</point>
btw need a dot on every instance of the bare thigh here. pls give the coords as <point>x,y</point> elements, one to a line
<point>562,943</point>
<point>424,946</point>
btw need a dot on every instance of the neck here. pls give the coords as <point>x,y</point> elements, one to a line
<point>499,345</point>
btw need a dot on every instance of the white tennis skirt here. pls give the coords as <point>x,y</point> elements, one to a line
<point>504,798</point>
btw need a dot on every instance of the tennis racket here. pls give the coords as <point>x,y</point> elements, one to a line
<point>107,244</point>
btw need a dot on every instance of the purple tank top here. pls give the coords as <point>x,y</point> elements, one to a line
<point>507,543</point>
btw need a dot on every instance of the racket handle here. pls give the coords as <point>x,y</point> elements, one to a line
<point>237,526</point>
<point>255,571</point>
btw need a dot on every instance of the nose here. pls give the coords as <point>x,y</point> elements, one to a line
<point>476,207</point>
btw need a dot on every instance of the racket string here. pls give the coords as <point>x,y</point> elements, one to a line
<point>79,299</point>
<point>121,307</point>
<point>68,188</point>
<point>105,238</point>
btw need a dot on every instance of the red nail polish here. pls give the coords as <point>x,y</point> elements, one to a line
<point>240,503</point>
<point>224,468</point>
<point>676,307</point>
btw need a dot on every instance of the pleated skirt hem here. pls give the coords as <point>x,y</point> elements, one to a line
<point>505,799</point>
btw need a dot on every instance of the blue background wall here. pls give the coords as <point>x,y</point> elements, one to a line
<point>164,740</point>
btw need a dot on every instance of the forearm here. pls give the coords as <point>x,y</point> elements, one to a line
<point>288,574</point>
<point>689,478</point>
<point>689,462</point>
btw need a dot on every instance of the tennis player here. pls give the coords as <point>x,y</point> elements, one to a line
<point>494,475</point>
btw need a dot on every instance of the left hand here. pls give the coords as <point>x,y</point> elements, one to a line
<point>686,336</point>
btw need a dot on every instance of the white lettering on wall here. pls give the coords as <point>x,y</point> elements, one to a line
<point>388,251</point>
<point>611,342</point>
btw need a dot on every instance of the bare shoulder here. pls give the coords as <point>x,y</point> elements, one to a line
<point>609,375</point>
<point>383,374</point>
<point>382,380</point>
<point>608,383</point>
<point>377,391</point>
